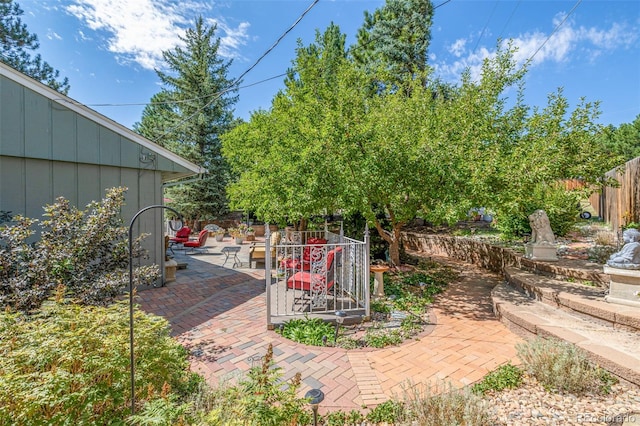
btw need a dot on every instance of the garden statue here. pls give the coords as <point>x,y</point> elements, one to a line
<point>542,243</point>
<point>629,256</point>
<point>541,232</point>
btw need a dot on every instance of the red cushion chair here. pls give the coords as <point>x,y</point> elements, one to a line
<point>199,244</point>
<point>302,280</point>
<point>182,236</point>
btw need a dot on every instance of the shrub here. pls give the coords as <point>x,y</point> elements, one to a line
<point>310,331</point>
<point>86,251</point>
<point>261,398</point>
<point>563,367</point>
<point>505,376</point>
<point>390,412</point>
<point>69,364</point>
<point>562,207</point>
<point>443,405</point>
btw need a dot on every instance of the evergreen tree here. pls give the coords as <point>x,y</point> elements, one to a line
<point>393,43</point>
<point>16,42</point>
<point>623,140</point>
<point>188,116</point>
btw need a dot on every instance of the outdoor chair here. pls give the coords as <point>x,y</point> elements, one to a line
<point>257,251</point>
<point>199,244</point>
<point>303,263</point>
<point>317,282</point>
<point>182,236</point>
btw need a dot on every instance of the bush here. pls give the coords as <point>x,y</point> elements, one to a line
<point>443,405</point>
<point>310,331</point>
<point>69,364</point>
<point>562,367</point>
<point>86,251</point>
<point>503,377</point>
<point>562,207</point>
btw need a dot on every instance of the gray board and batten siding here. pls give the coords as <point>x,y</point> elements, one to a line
<point>51,146</point>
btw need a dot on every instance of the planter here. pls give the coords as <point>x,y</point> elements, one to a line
<point>219,237</point>
<point>239,240</point>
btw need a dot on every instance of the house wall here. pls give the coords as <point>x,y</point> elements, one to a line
<point>48,151</point>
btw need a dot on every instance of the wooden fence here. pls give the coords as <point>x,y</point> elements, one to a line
<point>620,206</point>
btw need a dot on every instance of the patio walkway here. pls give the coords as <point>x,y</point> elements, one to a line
<point>219,313</point>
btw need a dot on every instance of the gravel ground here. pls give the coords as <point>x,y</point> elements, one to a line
<point>532,405</point>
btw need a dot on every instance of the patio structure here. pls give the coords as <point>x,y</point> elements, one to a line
<point>316,273</point>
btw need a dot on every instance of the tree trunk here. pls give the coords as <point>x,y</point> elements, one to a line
<point>393,238</point>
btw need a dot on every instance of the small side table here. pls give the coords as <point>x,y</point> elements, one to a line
<point>228,250</point>
<point>378,279</point>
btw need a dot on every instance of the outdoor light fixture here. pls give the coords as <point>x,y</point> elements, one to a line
<point>315,397</point>
<point>340,315</point>
<point>131,356</point>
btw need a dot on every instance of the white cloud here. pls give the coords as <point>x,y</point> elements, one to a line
<point>139,31</point>
<point>458,47</point>
<point>52,34</point>
<point>564,45</point>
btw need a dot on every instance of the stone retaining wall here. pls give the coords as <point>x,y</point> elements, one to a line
<point>495,258</point>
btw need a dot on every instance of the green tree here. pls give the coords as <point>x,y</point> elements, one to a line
<point>623,140</point>
<point>16,42</point>
<point>282,156</point>
<point>393,43</point>
<point>189,115</point>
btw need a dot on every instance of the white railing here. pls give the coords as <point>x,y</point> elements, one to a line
<point>316,273</point>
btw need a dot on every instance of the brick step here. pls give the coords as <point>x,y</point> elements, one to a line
<point>576,298</point>
<point>615,349</point>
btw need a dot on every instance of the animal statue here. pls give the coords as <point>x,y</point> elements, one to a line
<point>541,232</point>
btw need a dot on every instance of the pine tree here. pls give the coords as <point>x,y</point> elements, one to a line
<point>188,116</point>
<point>15,43</point>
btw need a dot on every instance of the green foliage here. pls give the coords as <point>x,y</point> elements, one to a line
<point>562,367</point>
<point>381,338</point>
<point>562,208</point>
<point>390,412</point>
<point>84,251</point>
<point>195,109</point>
<point>15,44</point>
<point>69,364</point>
<point>623,141</point>
<point>340,418</point>
<point>260,398</point>
<point>443,405</point>
<point>309,331</point>
<point>503,377</point>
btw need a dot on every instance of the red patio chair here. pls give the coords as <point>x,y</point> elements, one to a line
<point>317,282</point>
<point>199,244</point>
<point>182,236</point>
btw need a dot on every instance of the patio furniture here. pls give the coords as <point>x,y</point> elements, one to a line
<point>227,253</point>
<point>257,251</point>
<point>316,283</point>
<point>182,235</point>
<point>199,244</point>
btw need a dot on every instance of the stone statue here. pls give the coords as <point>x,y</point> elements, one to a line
<point>541,232</point>
<point>629,256</point>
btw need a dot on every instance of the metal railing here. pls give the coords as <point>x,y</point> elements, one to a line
<point>316,273</point>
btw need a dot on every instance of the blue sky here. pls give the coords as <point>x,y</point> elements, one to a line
<point>109,48</point>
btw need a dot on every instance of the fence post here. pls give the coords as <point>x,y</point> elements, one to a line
<point>367,308</point>
<point>267,271</point>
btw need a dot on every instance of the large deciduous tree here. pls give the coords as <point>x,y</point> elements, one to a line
<point>188,116</point>
<point>16,42</point>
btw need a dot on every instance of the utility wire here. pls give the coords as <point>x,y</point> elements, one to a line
<point>237,81</point>
<point>243,74</point>
<point>552,33</point>
<point>495,6</point>
<point>509,20</point>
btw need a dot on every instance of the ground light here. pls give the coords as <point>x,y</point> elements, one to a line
<point>131,356</point>
<point>315,397</point>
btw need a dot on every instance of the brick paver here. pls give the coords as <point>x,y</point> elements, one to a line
<point>219,313</point>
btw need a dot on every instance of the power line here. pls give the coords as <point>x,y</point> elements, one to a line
<point>553,32</point>
<point>495,6</point>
